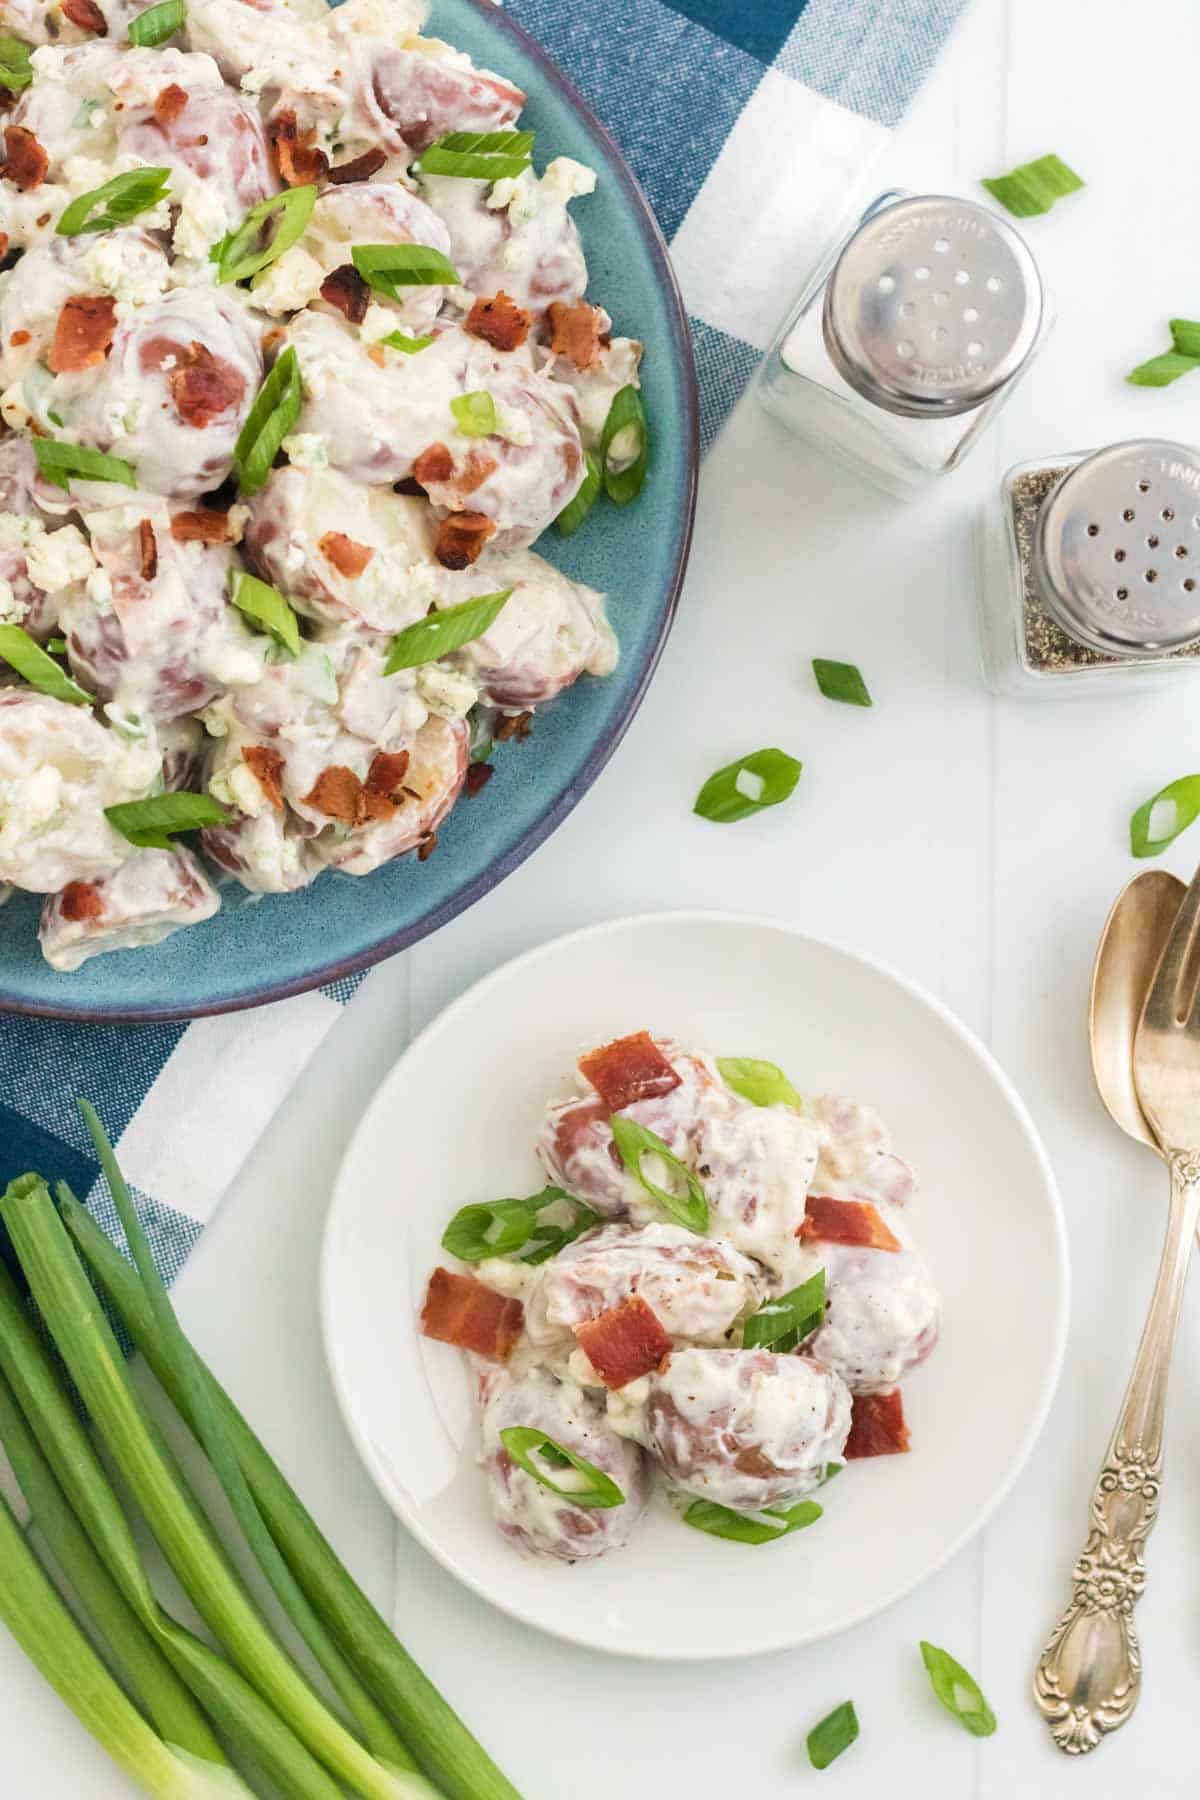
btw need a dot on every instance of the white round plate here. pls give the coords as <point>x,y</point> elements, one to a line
<point>455,1122</point>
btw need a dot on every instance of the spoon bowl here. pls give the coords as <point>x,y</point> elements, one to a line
<point>1131,946</point>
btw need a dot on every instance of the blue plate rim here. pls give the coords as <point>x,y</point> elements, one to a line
<point>609,739</point>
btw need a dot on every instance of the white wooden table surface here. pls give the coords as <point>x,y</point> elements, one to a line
<point>975,846</point>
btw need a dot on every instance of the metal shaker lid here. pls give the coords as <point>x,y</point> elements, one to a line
<point>933,305</point>
<point>1116,549</point>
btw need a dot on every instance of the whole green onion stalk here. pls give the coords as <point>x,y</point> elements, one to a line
<point>437,1737</point>
<point>94,1361</point>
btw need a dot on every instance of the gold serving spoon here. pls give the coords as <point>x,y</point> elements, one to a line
<point>1088,1679</point>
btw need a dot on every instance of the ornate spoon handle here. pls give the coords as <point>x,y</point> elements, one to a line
<point>1089,1676</point>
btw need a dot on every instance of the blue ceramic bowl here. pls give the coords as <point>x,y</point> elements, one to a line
<point>285,943</point>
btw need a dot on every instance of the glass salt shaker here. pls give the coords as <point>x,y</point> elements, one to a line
<point>1090,570</point>
<point>909,338</point>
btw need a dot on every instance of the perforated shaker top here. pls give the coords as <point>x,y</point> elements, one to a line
<point>932,307</point>
<point>1116,550</point>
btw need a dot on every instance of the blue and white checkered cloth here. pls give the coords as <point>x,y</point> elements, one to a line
<point>746,122</point>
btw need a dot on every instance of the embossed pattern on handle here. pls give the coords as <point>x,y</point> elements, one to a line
<point>1089,1676</point>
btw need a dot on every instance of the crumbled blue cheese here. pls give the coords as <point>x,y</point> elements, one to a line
<point>239,787</point>
<point>58,559</point>
<point>202,221</point>
<point>565,179</point>
<point>378,322</point>
<point>289,283</point>
<point>127,268</point>
<point>512,423</point>
<point>446,692</point>
<point>100,589</point>
<point>122,413</point>
<point>12,610</point>
<point>49,62</point>
<point>307,450</point>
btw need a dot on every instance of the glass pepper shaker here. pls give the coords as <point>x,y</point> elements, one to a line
<point>908,339</point>
<point>1090,570</point>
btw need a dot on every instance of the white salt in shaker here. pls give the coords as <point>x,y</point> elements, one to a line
<point>909,338</point>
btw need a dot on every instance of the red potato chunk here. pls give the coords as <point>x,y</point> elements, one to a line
<point>745,1428</point>
<point>174,391</point>
<point>152,894</point>
<point>697,1287</point>
<point>214,137</point>
<point>528,1514</point>
<point>432,783</point>
<point>416,99</point>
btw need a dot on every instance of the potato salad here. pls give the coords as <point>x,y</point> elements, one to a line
<point>296,367</point>
<point>716,1296</point>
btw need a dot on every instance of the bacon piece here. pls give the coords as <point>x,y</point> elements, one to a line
<point>148,546</point>
<point>518,725</point>
<point>266,765</point>
<point>435,463</point>
<point>87,15</point>
<point>478,776</point>
<point>461,537</point>
<point>428,846</point>
<point>81,900</point>
<point>499,321</point>
<point>360,168</point>
<point>575,332</point>
<point>203,386</point>
<point>476,468</point>
<point>4,248</point>
<point>205,526</point>
<point>18,338</point>
<point>460,1310</point>
<point>345,288</point>
<point>299,160</point>
<point>627,1070</point>
<point>877,1426</point>
<point>336,793</point>
<point>626,1341</point>
<point>347,557</point>
<point>83,333</point>
<point>846,1222</point>
<point>378,797</point>
<point>169,103</point>
<point>25,161</point>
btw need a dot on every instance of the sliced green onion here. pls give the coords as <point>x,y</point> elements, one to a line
<point>390,267</point>
<point>441,1742</point>
<point>1183,797</point>
<point>762,1083</point>
<point>576,511</point>
<point>57,646</point>
<point>281,220</point>
<point>1185,336</point>
<point>229,1699</point>
<point>636,1141</point>
<point>119,201</point>
<point>836,1732</point>
<point>625,447</point>
<point>94,1361</point>
<point>478,155</point>
<point>750,1528</point>
<point>149,823</point>
<point>1161,371</point>
<point>750,785</point>
<point>142,1665</point>
<point>548,1240</point>
<point>481,742</point>
<point>441,632</point>
<point>268,608</point>
<point>275,410</point>
<point>36,1616</point>
<point>495,1227</point>
<point>780,1325</point>
<point>61,463</point>
<point>153,27</point>
<point>841,681</point>
<point>474,413</point>
<point>1033,187</point>
<point>33,665</point>
<point>399,340</point>
<point>524,1442</point>
<point>16,71</point>
<point>377,1733</point>
<point>958,1692</point>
